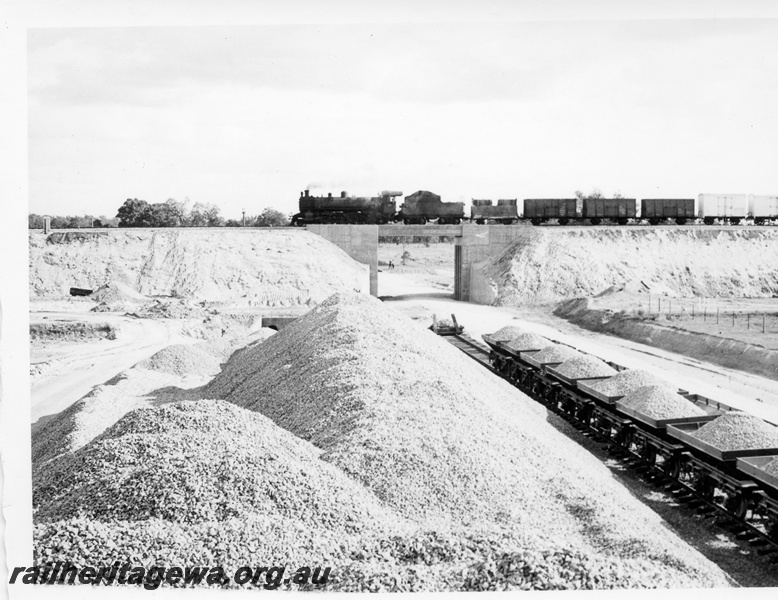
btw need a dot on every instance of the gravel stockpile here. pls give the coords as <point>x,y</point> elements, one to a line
<point>738,431</point>
<point>228,487</point>
<point>406,415</point>
<point>528,341</point>
<point>585,366</point>
<point>182,359</point>
<point>555,354</point>
<point>624,382</point>
<point>507,333</point>
<point>84,420</point>
<point>660,402</point>
<point>232,461</point>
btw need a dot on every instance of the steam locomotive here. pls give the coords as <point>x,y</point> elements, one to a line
<point>423,206</point>
<point>418,208</point>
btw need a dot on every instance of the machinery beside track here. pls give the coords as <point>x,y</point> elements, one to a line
<point>730,485</point>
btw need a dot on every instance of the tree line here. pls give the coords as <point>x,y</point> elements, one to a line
<point>171,213</point>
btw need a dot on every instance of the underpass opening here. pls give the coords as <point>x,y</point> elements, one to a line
<point>420,266</point>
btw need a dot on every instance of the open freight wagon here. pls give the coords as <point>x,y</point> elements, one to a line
<point>734,480</point>
<point>505,211</point>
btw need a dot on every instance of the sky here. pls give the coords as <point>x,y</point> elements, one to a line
<point>245,117</point>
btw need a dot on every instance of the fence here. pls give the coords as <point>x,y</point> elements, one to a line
<point>708,312</point>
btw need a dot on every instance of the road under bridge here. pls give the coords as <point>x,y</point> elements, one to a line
<point>472,244</point>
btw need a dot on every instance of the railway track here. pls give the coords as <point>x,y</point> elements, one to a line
<point>650,472</point>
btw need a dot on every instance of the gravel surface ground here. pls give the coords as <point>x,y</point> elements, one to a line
<point>585,366</point>
<point>624,382</point>
<point>181,359</point>
<point>660,402</point>
<point>423,427</point>
<point>738,431</point>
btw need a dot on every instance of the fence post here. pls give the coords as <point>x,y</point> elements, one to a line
<point>763,323</point>
<point>733,318</point>
<point>748,321</point>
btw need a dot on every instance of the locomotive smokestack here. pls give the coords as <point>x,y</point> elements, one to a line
<point>306,193</point>
<point>343,194</point>
<point>329,194</point>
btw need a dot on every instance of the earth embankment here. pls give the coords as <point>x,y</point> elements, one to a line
<point>239,267</point>
<point>560,263</point>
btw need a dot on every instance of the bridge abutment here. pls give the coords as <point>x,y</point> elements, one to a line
<point>473,244</point>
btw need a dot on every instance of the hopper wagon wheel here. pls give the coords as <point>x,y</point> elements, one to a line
<point>672,467</point>
<point>709,220</point>
<point>624,438</point>
<point>479,221</point>
<point>622,221</point>
<point>585,415</point>
<point>535,221</point>
<point>680,221</point>
<point>705,487</point>
<point>406,221</point>
<point>457,221</point>
<point>653,221</point>
<point>759,221</point>
<point>422,220</point>
<point>596,221</point>
<point>772,528</point>
<point>737,505</point>
<point>564,221</point>
<point>648,454</point>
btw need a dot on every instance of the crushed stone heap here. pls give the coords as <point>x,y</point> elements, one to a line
<point>443,443</point>
<point>738,431</point>
<point>660,402</point>
<point>555,353</point>
<point>625,382</point>
<point>197,481</point>
<point>585,366</point>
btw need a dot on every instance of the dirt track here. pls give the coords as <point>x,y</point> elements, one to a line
<point>68,371</point>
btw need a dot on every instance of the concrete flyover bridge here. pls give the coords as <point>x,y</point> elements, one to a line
<point>473,243</point>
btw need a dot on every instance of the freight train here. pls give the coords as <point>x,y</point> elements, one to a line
<point>740,482</point>
<point>423,207</point>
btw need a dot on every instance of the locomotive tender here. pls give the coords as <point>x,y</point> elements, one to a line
<point>422,207</point>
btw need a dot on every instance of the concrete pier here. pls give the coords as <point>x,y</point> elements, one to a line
<point>472,244</point>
